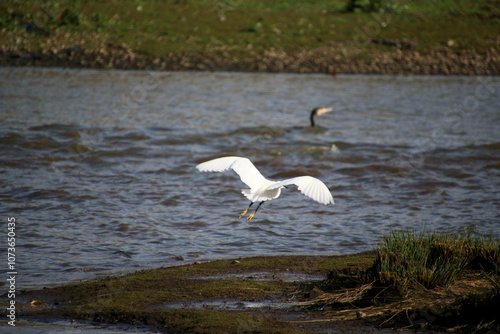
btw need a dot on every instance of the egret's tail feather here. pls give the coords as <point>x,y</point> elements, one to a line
<point>247,193</point>
<point>255,197</point>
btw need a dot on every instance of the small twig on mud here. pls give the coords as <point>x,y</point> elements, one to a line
<point>383,322</point>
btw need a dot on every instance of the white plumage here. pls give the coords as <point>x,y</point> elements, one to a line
<point>262,189</point>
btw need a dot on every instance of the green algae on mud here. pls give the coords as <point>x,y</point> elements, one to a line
<point>164,297</point>
<point>286,294</point>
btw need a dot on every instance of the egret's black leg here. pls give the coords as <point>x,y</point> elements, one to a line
<point>253,214</point>
<point>245,212</point>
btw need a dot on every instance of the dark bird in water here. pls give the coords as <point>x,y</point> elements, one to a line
<point>316,112</point>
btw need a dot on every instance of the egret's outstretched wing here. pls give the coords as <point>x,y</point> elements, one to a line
<point>248,173</point>
<point>309,186</point>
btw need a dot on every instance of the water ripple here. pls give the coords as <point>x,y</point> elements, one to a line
<point>100,184</point>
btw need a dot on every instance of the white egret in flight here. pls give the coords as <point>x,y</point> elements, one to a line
<point>316,112</point>
<point>262,189</point>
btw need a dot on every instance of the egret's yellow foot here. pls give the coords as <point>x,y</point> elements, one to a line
<point>250,216</point>
<point>244,213</point>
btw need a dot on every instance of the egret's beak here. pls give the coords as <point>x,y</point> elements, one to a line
<point>323,110</point>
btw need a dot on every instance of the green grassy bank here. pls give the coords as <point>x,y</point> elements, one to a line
<point>349,36</point>
<point>436,282</point>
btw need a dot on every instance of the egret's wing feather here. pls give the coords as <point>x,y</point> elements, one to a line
<point>309,186</point>
<point>248,173</point>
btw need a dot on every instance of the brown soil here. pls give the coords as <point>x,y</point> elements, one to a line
<point>333,59</point>
<point>280,294</point>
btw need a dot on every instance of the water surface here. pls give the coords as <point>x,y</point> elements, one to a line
<point>98,167</point>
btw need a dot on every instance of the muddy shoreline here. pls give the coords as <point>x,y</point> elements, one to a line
<point>334,59</point>
<point>272,294</point>
<point>239,295</point>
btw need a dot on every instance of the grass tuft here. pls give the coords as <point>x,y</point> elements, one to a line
<point>411,260</point>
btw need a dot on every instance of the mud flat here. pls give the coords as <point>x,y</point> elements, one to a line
<point>276,294</point>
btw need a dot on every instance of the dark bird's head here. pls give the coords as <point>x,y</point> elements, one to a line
<point>316,112</point>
